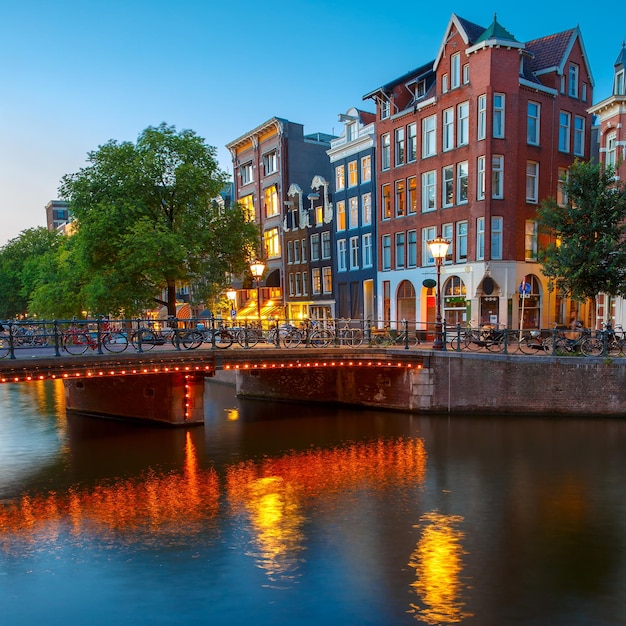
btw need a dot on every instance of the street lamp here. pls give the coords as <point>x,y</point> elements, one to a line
<point>256,269</point>
<point>438,249</point>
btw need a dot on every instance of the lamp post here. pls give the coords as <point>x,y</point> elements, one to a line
<point>438,249</point>
<point>256,269</point>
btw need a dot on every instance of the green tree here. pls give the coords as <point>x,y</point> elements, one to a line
<point>21,260</point>
<point>147,220</point>
<point>586,253</point>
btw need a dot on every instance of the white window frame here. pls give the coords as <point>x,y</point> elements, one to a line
<point>366,169</point>
<point>565,124</point>
<point>447,186</point>
<point>411,248</point>
<point>480,178</point>
<point>462,182</point>
<point>447,232</point>
<point>247,173</point>
<point>400,250</point>
<point>448,130</point>
<point>530,240</point>
<point>533,129</point>
<point>461,241</point>
<point>341,216</point>
<point>325,243</point>
<point>400,146</point>
<point>462,129</point>
<point>366,209</point>
<point>353,174</point>
<point>385,151</point>
<point>270,162</point>
<point>429,191</point>
<point>497,176</point>
<point>385,257</point>
<point>480,239</point>
<point>455,70</point>
<point>481,117</point>
<point>579,136</point>
<point>573,75</point>
<point>532,182</point>
<point>428,234</point>
<point>429,136</point>
<point>367,252</point>
<point>499,117</point>
<point>497,233</point>
<point>411,144</point>
<point>610,158</point>
<point>354,253</point>
<point>353,212</point>
<point>340,177</point>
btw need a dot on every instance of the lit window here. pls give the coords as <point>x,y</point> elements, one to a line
<point>366,169</point>
<point>247,203</point>
<point>316,275</point>
<point>340,177</point>
<point>353,176</point>
<point>366,209</point>
<point>354,212</point>
<point>341,215</point>
<point>271,201</point>
<point>412,199</point>
<point>400,199</point>
<point>386,202</point>
<point>531,240</point>
<point>271,242</point>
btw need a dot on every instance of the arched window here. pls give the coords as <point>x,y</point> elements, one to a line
<point>406,301</point>
<point>530,303</point>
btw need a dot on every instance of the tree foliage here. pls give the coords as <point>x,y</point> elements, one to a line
<point>21,262</point>
<point>586,253</point>
<point>147,219</point>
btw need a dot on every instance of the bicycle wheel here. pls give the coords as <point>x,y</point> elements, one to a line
<point>321,338</point>
<point>472,341</point>
<point>591,346</point>
<point>529,345</point>
<point>192,339</point>
<point>76,343</point>
<point>147,338</point>
<point>495,345</point>
<point>223,339</point>
<point>248,336</point>
<point>114,342</point>
<point>4,347</point>
<point>354,337</point>
<point>614,347</point>
<point>292,339</point>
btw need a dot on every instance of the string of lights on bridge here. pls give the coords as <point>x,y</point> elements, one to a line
<point>38,376</point>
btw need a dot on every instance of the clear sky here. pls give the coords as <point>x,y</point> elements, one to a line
<point>74,74</point>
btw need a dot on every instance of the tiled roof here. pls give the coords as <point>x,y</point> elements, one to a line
<point>367,117</point>
<point>474,31</point>
<point>548,51</point>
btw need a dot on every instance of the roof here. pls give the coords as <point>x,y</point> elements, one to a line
<point>473,31</point>
<point>621,58</point>
<point>418,72</point>
<point>549,52</point>
<point>496,31</point>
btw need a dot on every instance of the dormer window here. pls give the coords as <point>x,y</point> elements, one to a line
<point>421,89</point>
<point>619,84</point>
<point>384,109</point>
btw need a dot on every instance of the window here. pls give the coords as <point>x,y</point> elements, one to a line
<point>366,169</point>
<point>564,126</point>
<point>429,191</point>
<point>305,284</point>
<point>579,136</point>
<point>444,83</point>
<point>340,177</point>
<point>289,252</point>
<point>447,185</point>
<point>481,130</point>
<point>429,140</point>
<point>531,240</point>
<point>561,195</point>
<point>247,175</point>
<point>573,80</point>
<point>428,234</point>
<point>315,247</point>
<point>303,247</point>
<point>384,109</point>
<point>271,242</point>
<point>296,251</point>
<point>461,241</point>
<point>498,115</point>
<point>532,130</point>
<point>354,253</point>
<point>316,275</point>
<point>351,131</point>
<point>497,176</point>
<point>247,202</point>
<point>366,209</point>
<point>618,87</point>
<point>480,239</point>
<point>411,154</point>
<point>291,287</point>
<point>385,152</point>
<point>400,260</point>
<point>496,237</point>
<point>298,284</point>
<point>480,178</point>
<point>466,74</point>
<point>341,215</point>
<point>463,124</point>
<point>532,181</point>
<point>386,202</point>
<point>367,250</point>
<point>583,92</point>
<point>353,175</point>
<point>270,162</point>
<point>461,182</point>
<point>326,245</point>
<point>411,248</point>
<point>353,204</point>
<point>448,129</point>
<point>412,199</point>
<point>400,199</point>
<point>319,215</point>
<point>447,232</point>
<point>455,70</point>
<point>611,150</point>
<point>386,256</point>
<point>399,137</point>
<point>271,201</point>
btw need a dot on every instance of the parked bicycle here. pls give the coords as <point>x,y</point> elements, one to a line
<point>569,342</point>
<point>392,337</point>
<point>486,337</point>
<point>149,336</point>
<point>78,339</point>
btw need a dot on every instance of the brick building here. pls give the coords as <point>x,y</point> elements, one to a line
<point>611,116</point>
<point>268,162</point>
<point>467,147</point>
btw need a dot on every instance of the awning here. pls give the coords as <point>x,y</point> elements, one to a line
<point>268,311</point>
<point>183,312</point>
<point>273,279</point>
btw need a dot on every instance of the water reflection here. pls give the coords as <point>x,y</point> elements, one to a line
<point>438,564</point>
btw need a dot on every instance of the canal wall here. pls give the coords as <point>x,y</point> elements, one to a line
<point>450,382</point>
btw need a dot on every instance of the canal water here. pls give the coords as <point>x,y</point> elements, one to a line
<point>286,514</point>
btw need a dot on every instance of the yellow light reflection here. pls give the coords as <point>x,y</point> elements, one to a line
<point>232,415</point>
<point>438,563</point>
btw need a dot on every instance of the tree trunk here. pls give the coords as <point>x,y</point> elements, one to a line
<point>171,297</point>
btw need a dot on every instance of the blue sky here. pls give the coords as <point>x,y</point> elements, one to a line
<point>75,74</point>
